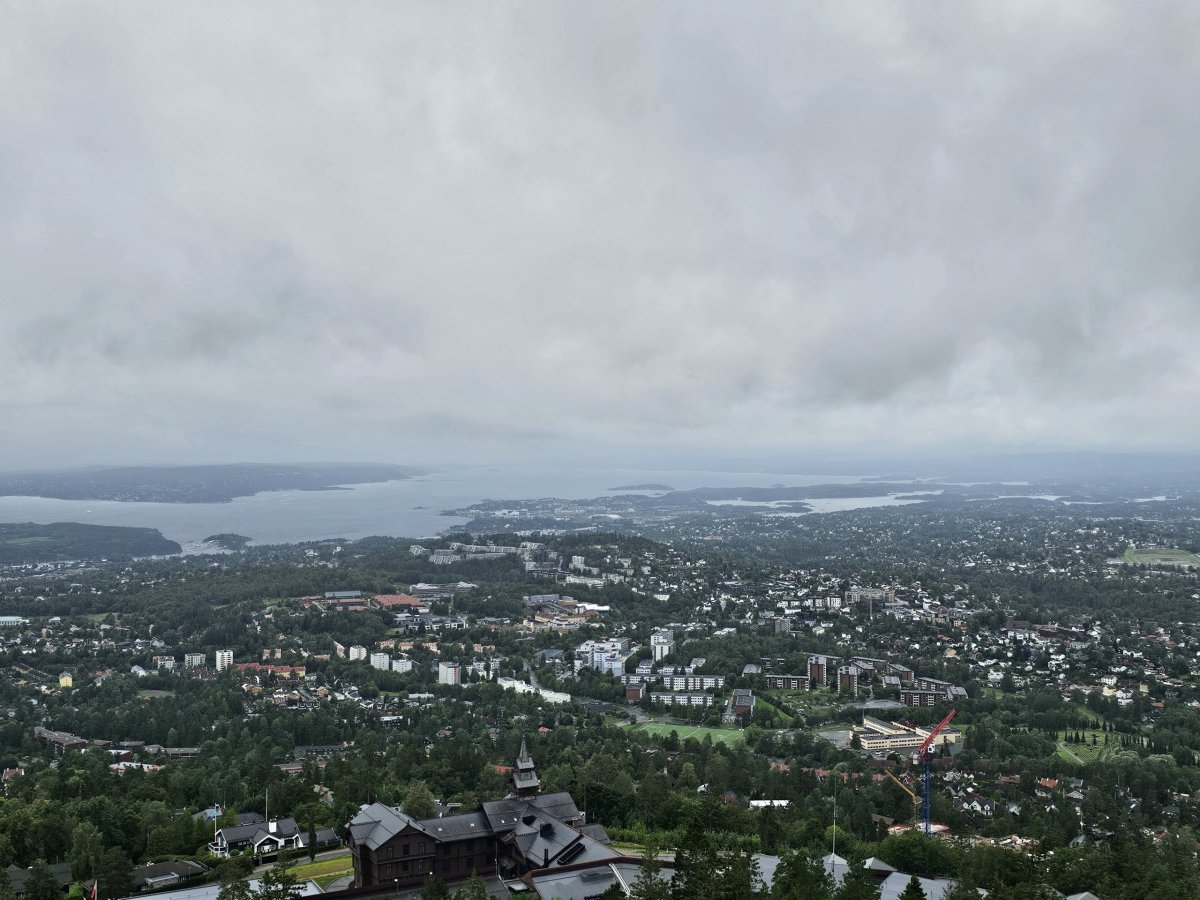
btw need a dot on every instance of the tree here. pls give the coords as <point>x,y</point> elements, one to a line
<point>419,802</point>
<point>312,840</point>
<point>913,890</point>
<point>434,889</point>
<point>738,875</point>
<point>695,864</point>
<point>6,889</point>
<point>800,877</point>
<point>648,886</point>
<point>234,868</point>
<point>41,885</point>
<point>474,889</point>
<point>278,883</point>
<point>114,873</point>
<point>234,888</point>
<point>87,846</point>
<point>859,884</point>
<point>962,890</point>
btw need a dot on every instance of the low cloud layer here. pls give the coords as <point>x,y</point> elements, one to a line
<point>294,230</point>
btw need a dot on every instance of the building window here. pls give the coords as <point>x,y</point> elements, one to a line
<point>421,847</point>
<point>406,846</point>
<point>391,851</point>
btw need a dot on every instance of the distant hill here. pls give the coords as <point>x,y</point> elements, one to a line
<point>27,542</point>
<point>194,484</point>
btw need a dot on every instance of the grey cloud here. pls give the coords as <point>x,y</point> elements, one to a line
<point>252,229</point>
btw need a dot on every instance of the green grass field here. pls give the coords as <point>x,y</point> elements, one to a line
<point>325,871</point>
<point>786,718</point>
<point>718,735</point>
<point>1161,557</point>
<point>814,705</point>
<point>1084,753</point>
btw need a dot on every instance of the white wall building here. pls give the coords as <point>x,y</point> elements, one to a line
<point>224,660</point>
<point>381,661</point>
<point>605,656</point>
<point>524,687</point>
<point>449,673</point>
<point>662,643</point>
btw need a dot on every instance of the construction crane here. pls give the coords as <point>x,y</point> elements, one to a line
<point>904,787</point>
<point>921,758</point>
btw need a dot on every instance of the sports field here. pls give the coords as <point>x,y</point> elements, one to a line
<point>718,735</point>
<point>1161,557</point>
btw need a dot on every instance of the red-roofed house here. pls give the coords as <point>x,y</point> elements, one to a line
<point>395,601</point>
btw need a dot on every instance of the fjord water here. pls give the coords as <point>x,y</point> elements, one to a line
<point>410,508</point>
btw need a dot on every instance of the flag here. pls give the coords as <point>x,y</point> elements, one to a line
<point>95,885</point>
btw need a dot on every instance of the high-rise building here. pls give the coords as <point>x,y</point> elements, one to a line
<point>402,665</point>
<point>449,673</point>
<point>194,660</point>
<point>381,661</point>
<point>224,660</point>
<point>662,643</point>
<point>848,680</point>
<point>818,671</point>
<point>357,652</point>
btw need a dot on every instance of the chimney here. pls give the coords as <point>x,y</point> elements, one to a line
<point>545,859</point>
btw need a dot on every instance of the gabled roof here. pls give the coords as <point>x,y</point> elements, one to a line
<point>933,888</point>
<point>255,832</point>
<point>376,824</point>
<point>875,864</point>
<point>835,867</point>
<point>503,815</point>
<point>178,868</point>
<point>17,876</point>
<point>544,840</point>
<point>455,826</point>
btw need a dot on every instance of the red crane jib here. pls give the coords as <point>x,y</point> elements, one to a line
<point>924,748</point>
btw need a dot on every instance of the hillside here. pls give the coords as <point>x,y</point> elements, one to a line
<point>28,542</point>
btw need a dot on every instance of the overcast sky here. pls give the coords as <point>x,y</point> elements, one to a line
<point>408,232</point>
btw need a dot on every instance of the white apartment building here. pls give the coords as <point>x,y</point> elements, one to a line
<point>605,656</point>
<point>381,661</point>
<point>662,643</point>
<point>449,673</point>
<point>224,660</point>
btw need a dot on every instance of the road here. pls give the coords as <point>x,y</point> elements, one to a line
<point>533,679</point>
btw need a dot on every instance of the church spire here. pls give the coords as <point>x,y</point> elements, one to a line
<point>524,777</point>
